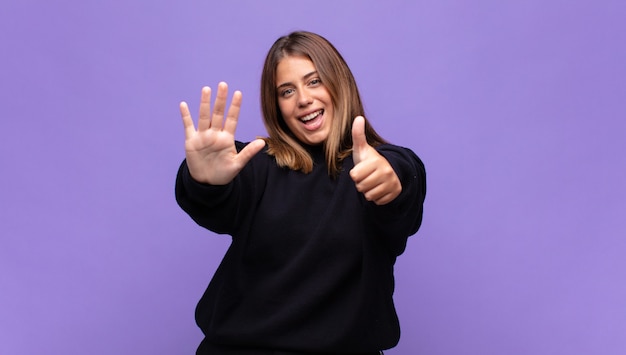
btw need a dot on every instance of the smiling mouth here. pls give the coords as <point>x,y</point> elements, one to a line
<point>311,116</point>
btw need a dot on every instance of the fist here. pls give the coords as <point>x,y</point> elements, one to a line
<point>372,174</point>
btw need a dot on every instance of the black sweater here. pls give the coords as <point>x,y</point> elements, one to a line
<point>310,267</point>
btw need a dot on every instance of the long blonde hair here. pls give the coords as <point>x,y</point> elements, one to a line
<point>341,85</point>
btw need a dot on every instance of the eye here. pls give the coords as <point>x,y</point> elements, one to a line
<point>286,92</point>
<point>315,82</point>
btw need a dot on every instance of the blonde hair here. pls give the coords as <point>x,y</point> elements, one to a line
<point>341,85</point>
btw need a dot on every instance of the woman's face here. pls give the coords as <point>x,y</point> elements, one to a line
<point>304,101</point>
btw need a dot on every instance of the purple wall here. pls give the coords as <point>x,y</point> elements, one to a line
<point>518,109</point>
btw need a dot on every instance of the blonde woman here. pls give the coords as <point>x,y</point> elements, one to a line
<point>318,211</point>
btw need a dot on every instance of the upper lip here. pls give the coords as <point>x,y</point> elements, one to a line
<point>309,112</point>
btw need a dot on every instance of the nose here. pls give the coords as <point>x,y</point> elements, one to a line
<point>305,98</point>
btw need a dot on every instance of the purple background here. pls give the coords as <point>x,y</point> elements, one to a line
<point>518,109</point>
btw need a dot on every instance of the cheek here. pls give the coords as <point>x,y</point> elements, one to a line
<point>283,107</point>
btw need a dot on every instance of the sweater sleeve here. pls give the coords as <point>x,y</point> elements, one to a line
<point>201,201</point>
<point>219,208</point>
<point>402,217</point>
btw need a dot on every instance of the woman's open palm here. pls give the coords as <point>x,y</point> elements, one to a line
<point>210,149</point>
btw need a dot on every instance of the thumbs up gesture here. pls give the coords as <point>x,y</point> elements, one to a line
<point>372,173</point>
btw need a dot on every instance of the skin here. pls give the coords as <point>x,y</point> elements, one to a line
<point>373,175</point>
<point>213,159</point>
<point>300,93</point>
<point>210,150</point>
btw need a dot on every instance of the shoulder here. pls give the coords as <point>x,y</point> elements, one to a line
<point>391,151</point>
<point>407,165</point>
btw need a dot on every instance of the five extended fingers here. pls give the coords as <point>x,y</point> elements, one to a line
<point>211,153</point>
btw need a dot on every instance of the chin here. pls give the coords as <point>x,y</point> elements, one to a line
<point>314,141</point>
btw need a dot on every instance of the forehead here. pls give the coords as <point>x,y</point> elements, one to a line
<point>293,68</point>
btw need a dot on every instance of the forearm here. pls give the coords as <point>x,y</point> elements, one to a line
<point>206,204</point>
<point>402,217</point>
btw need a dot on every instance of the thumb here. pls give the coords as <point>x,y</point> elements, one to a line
<point>359,142</point>
<point>249,151</point>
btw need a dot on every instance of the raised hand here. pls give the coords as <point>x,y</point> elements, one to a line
<point>210,150</point>
<point>372,173</point>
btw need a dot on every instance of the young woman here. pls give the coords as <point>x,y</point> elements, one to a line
<point>317,212</point>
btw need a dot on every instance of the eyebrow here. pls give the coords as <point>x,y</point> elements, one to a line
<point>304,77</point>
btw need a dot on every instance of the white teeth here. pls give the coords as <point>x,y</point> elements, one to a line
<point>311,116</point>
